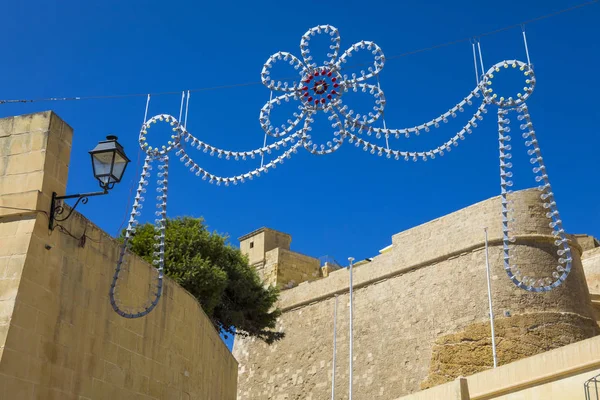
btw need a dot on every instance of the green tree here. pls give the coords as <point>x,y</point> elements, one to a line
<point>217,274</point>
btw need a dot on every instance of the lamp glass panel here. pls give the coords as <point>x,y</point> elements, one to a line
<point>119,166</point>
<point>102,165</point>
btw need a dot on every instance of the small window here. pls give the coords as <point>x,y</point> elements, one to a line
<point>251,245</point>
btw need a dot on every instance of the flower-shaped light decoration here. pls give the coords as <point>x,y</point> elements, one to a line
<point>321,88</point>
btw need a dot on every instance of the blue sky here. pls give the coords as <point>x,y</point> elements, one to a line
<point>345,204</point>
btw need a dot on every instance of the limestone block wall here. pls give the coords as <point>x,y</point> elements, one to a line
<point>586,242</point>
<point>275,239</point>
<point>13,251</point>
<point>256,244</point>
<point>556,374</point>
<point>268,251</point>
<point>328,269</point>
<point>420,312</point>
<point>285,267</point>
<point>59,337</point>
<point>254,247</point>
<point>267,270</point>
<point>30,167</point>
<point>591,265</point>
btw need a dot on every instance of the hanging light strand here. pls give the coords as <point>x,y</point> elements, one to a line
<point>324,95</point>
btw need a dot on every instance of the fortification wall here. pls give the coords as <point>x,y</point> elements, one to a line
<point>591,265</point>
<point>256,244</point>
<point>556,374</point>
<point>285,267</point>
<point>420,312</point>
<point>59,337</point>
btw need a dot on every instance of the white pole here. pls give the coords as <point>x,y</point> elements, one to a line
<point>334,348</point>
<point>351,259</point>
<point>489,288</point>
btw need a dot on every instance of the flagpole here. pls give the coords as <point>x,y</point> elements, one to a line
<point>351,259</point>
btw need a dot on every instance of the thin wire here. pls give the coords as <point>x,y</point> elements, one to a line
<point>526,47</point>
<point>137,172</point>
<point>262,156</point>
<point>387,142</point>
<point>475,62</point>
<point>480,57</point>
<point>81,239</point>
<point>181,106</point>
<point>187,107</point>
<point>24,209</point>
<point>61,228</point>
<point>238,85</point>
<point>147,105</point>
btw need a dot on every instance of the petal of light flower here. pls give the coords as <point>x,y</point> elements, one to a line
<point>285,86</point>
<point>265,114</point>
<point>379,61</point>
<point>331,145</point>
<point>358,121</point>
<point>335,44</point>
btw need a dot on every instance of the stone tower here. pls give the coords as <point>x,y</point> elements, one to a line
<point>268,251</point>
<point>256,244</point>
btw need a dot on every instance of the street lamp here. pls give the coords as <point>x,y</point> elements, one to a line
<point>108,163</point>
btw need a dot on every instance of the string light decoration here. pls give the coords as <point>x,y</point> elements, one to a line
<point>321,88</point>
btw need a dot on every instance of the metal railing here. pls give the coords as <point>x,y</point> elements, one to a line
<point>591,388</point>
<point>329,260</point>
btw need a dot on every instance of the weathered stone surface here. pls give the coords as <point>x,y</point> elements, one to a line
<point>429,285</point>
<point>469,351</point>
<point>591,264</point>
<point>268,251</point>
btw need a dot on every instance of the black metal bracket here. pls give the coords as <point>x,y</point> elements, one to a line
<point>57,208</point>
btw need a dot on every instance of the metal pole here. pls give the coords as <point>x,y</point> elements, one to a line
<point>489,288</point>
<point>351,259</point>
<point>334,348</point>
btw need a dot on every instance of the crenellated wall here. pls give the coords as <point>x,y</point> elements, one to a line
<point>421,312</point>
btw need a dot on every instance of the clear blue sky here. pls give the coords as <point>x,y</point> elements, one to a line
<point>345,204</point>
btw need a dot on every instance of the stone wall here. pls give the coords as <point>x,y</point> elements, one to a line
<point>59,337</point>
<point>591,265</point>
<point>256,244</point>
<point>31,166</point>
<point>586,242</point>
<point>413,304</point>
<point>291,268</point>
<point>556,374</point>
<point>268,251</point>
